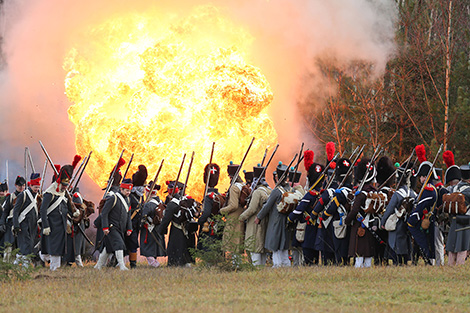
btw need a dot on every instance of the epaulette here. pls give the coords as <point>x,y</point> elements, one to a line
<point>429,187</point>
<point>314,193</point>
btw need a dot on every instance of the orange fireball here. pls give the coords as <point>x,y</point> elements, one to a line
<point>159,86</point>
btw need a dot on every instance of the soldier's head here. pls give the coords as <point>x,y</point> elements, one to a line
<point>280,170</point>
<point>314,170</point>
<point>156,188</point>
<point>35,182</point>
<point>385,172</point>
<point>248,177</point>
<point>465,170</point>
<point>423,171</point>
<point>366,171</point>
<point>3,189</point>
<point>20,184</point>
<point>294,176</point>
<point>342,167</point>
<point>126,187</point>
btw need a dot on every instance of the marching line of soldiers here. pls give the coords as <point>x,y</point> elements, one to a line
<point>369,210</point>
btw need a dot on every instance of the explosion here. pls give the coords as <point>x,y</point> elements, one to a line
<point>158,86</point>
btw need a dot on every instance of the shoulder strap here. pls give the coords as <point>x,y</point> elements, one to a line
<point>122,200</point>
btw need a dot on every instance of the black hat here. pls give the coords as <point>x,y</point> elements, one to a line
<point>20,181</point>
<point>65,174</point>
<point>248,176</point>
<point>314,172</point>
<point>408,171</point>
<point>362,167</point>
<point>424,169</point>
<point>215,174</point>
<point>155,188</point>
<point>294,176</point>
<point>385,169</point>
<point>4,186</point>
<point>232,169</point>
<point>280,170</point>
<point>342,167</point>
<point>257,170</point>
<point>465,170</point>
<point>452,173</point>
<point>171,184</point>
<point>139,177</point>
<point>77,198</point>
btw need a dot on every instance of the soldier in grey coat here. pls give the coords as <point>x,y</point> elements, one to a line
<point>116,222</point>
<point>25,218</point>
<point>458,242</point>
<point>278,237</point>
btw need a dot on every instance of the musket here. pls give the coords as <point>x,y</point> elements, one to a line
<point>279,181</point>
<point>31,160</point>
<point>8,181</point>
<point>177,176</point>
<point>81,231</point>
<point>82,171</point>
<point>298,162</point>
<point>187,175</point>
<point>157,241</point>
<point>111,178</point>
<point>154,182</point>
<point>25,163</point>
<point>429,175</point>
<point>209,172</point>
<point>395,172</point>
<point>235,177</point>
<point>264,157</point>
<point>256,181</point>
<point>372,160</point>
<point>43,175</point>
<point>128,165</point>
<point>353,153</point>
<point>407,167</point>
<point>323,173</point>
<point>74,176</point>
<point>330,181</point>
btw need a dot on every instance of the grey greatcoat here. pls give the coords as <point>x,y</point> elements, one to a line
<point>398,239</point>
<point>115,217</point>
<point>278,237</point>
<point>25,217</point>
<point>459,241</point>
<point>54,208</point>
<point>7,217</point>
<point>148,245</point>
<point>255,235</point>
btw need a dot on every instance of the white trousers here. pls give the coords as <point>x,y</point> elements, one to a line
<point>55,262</point>
<point>258,259</point>
<point>363,262</point>
<point>439,246</point>
<point>281,258</point>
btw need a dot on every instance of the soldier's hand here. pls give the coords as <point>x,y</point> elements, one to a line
<point>257,220</point>
<point>3,228</point>
<point>16,231</point>
<point>105,231</point>
<point>129,232</point>
<point>46,231</point>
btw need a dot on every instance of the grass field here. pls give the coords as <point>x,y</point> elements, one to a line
<point>330,289</point>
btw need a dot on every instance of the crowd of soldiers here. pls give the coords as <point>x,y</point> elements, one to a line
<point>351,208</point>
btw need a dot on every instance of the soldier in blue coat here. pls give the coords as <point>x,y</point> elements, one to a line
<point>304,211</point>
<point>6,220</point>
<point>25,218</point>
<point>116,223</point>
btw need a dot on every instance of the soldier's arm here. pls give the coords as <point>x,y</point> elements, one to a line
<point>270,203</point>
<point>206,211</point>
<point>108,205</point>
<point>46,202</point>
<point>6,210</point>
<point>253,206</point>
<point>306,201</point>
<point>233,200</point>
<point>355,208</point>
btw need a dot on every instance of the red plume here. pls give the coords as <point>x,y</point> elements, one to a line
<point>308,159</point>
<point>76,159</point>
<point>57,167</point>
<point>421,153</point>
<point>121,163</point>
<point>330,150</point>
<point>333,165</point>
<point>448,157</point>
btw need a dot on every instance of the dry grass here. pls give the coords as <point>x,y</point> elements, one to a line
<point>330,289</point>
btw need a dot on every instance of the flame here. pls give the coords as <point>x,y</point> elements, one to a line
<point>159,86</point>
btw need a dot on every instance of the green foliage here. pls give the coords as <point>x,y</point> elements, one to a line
<point>224,255</point>
<point>10,271</point>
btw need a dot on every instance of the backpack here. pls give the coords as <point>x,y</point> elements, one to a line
<point>289,201</point>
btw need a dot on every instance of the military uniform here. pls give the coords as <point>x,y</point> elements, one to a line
<point>148,246</point>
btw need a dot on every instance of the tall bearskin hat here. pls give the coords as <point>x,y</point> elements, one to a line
<point>313,169</point>
<point>20,181</point>
<point>139,177</point>
<point>453,171</point>
<point>35,179</point>
<point>385,169</point>
<point>4,186</point>
<point>425,165</point>
<point>257,170</point>
<point>232,169</point>
<point>465,170</point>
<point>117,175</point>
<point>342,167</point>
<point>215,174</point>
<point>365,166</point>
<point>294,176</point>
<point>248,177</point>
<point>280,170</point>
